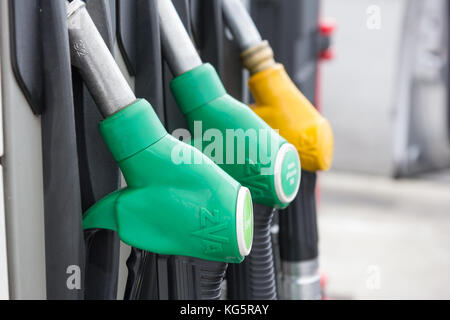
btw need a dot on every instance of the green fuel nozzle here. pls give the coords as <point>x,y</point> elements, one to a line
<point>186,209</point>
<point>253,153</point>
<point>250,151</point>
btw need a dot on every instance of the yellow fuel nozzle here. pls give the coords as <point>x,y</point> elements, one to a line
<point>281,104</point>
<point>278,101</point>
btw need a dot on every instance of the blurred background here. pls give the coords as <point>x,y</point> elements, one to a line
<point>384,216</point>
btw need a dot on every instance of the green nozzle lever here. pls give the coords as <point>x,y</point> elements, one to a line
<point>188,209</point>
<point>251,152</point>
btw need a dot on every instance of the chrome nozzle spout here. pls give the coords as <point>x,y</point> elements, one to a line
<point>241,24</point>
<point>178,49</point>
<point>97,66</point>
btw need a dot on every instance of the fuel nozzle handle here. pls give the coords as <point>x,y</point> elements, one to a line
<point>92,58</point>
<point>178,49</point>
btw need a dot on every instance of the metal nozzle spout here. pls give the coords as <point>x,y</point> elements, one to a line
<point>241,24</point>
<point>301,280</point>
<point>178,49</point>
<point>92,58</point>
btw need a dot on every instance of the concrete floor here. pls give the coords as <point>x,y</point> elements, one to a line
<point>385,239</point>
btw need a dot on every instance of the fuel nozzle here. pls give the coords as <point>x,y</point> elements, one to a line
<point>188,209</point>
<point>273,176</point>
<point>278,100</point>
<point>251,152</point>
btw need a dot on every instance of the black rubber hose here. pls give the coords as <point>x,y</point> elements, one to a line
<point>299,240</point>
<point>195,279</point>
<point>102,267</point>
<point>254,279</point>
<point>189,278</point>
<point>142,281</point>
<point>134,265</point>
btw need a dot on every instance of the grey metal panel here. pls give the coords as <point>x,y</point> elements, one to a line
<point>23,181</point>
<point>64,241</point>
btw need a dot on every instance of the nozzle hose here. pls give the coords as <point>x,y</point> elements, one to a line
<point>299,244</point>
<point>142,281</point>
<point>196,279</point>
<point>178,48</point>
<point>91,56</point>
<point>241,24</point>
<point>299,240</point>
<point>254,279</point>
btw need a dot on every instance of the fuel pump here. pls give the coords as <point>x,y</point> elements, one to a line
<point>284,107</point>
<point>185,209</point>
